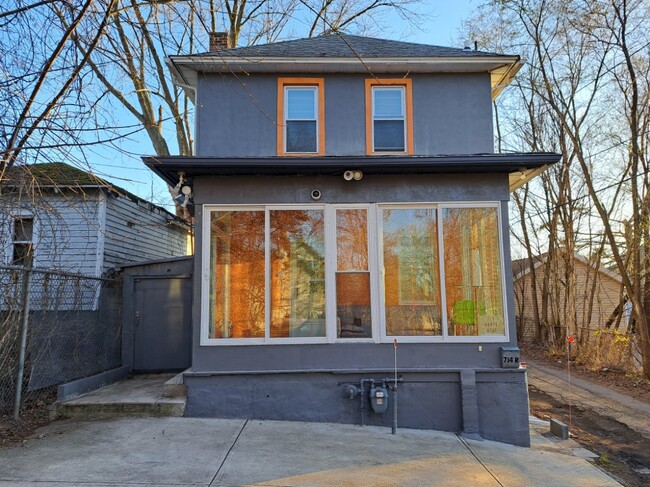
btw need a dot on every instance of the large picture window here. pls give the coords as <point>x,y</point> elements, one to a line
<point>411,272</point>
<point>297,256</point>
<point>472,266</point>
<point>334,273</point>
<point>237,274</point>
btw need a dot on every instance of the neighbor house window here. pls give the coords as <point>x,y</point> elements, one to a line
<point>389,116</point>
<point>23,236</point>
<point>301,127</point>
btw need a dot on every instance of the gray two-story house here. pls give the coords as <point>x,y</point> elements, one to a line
<point>352,236</point>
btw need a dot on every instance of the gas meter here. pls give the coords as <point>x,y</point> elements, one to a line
<point>379,399</point>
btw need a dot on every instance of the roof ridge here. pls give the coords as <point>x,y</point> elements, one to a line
<point>340,44</point>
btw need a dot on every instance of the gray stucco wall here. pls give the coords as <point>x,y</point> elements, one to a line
<point>427,400</point>
<point>371,189</point>
<point>304,382</point>
<point>236,116</point>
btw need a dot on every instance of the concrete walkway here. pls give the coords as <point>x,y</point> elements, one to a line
<point>141,395</point>
<point>587,395</point>
<point>219,452</point>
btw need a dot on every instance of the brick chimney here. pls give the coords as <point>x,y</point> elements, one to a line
<point>219,41</point>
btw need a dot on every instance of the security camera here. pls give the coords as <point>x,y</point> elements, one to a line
<point>316,194</point>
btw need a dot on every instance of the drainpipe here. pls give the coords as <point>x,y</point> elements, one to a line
<point>362,396</point>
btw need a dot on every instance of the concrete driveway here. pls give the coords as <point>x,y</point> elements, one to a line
<point>217,452</point>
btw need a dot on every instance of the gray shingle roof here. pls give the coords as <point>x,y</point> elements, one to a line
<point>521,265</point>
<point>346,45</point>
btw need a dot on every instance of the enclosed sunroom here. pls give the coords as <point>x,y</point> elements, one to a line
<point>316,276</point>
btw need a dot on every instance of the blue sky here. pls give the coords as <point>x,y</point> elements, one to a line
<point>123,166</point>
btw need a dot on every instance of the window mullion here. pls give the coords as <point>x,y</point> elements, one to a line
<point>373,268</point>
<point>330,273</point>
<point>443,282</point>
<point>267,275</point>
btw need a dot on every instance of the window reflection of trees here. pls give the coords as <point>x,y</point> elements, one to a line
<point>411,280</point>
<point>473,271</point>
<point>297,273</point>
<point>238,279</point>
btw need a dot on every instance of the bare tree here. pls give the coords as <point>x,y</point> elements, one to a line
<point>41,70</point>
<point>582,87</point>
<point>128,62</point>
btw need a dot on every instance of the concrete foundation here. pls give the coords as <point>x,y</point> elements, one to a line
<point>489,404</point>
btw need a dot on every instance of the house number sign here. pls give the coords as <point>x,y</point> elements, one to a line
<point>510,357</point>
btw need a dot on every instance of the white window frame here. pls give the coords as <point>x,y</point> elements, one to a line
<point>402,90</point>
<point>375,263</point>
<point>206,276</point>
<point>445,337</point>
<point>314,89</point>
<point>9,243</point>
<point>330,277</point>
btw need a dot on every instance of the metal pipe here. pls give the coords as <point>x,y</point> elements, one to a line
<point>27,284</point>
<point>394,428</point>
<point>362,395</point>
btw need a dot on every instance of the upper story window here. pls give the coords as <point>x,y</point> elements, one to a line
<point>23,235</point>
<point>301,127</point>
<point>389,116</point>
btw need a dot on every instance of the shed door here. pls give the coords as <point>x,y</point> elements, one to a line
<point>162,308</point>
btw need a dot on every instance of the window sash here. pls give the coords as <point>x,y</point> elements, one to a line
<point>22,247</point>
<point>301,125</point>
<point>380,119</point>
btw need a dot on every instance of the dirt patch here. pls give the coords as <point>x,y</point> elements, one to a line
<point>622,452</point>
<point>630,384</point>
<point>32,417</point>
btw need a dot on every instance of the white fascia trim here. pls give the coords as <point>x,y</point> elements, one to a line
<point>190,61</point>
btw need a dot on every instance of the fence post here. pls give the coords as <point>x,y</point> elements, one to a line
<point>27,284</point>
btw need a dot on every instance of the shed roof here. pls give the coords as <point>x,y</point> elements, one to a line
<point>52,174</point>
<point>60,175</point>
<point>521,267</point>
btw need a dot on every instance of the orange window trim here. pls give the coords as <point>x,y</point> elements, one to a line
<point>318,82</point>
<point>406,83</point>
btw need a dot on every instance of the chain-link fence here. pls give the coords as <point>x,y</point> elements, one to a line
<point>55,327</point>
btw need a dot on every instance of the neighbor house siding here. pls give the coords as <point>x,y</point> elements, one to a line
<point>236,117</point>
<point>137,231</point>
<point>606,298</point>
<point>65,232</point>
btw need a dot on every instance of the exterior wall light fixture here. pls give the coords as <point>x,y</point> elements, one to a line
<point>352,174</point>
